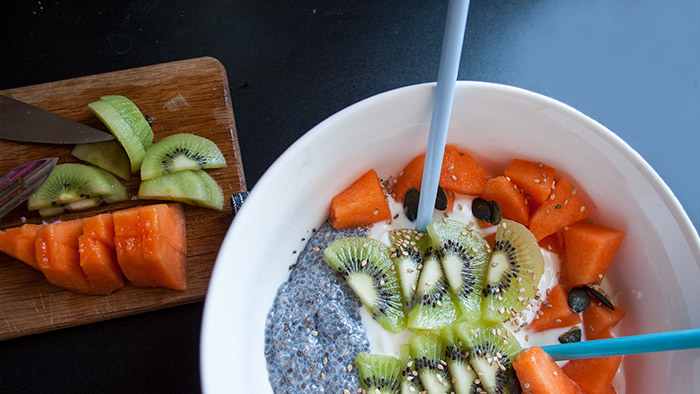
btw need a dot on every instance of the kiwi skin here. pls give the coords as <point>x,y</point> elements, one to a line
<point>180,152</point>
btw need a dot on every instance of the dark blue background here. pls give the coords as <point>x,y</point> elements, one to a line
<point>634,66</point>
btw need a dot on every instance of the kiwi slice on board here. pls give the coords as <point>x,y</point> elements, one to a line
<point>108,155</point>
<point>190,187</point>
<point>121,130</point>
<point>116,194</point>
<point>463,255</point>
<point>409,383</point>
<point>70,182</point>
<point>365,264</point>
<point>407,248</point>
<point>428,353</point>
<point>433,307</point>
<point>464,377</point>
<point>492,350</point>
<point>513,272</point>
<point>378,374</point>
<point>133,117</point>
<point>179,152</point>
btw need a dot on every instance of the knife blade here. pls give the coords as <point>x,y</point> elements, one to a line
<point>18,184</point>
<point>23,122</point>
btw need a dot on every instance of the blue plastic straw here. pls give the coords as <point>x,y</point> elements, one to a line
<point>444,94</point>
<point>647,343</point>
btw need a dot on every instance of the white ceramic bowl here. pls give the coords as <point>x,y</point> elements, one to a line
<point>656,273</point>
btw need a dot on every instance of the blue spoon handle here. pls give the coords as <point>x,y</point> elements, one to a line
<point>647,343</point>
<point>453,38</point>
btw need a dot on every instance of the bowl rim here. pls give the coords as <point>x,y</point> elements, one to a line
<point>208,345</point>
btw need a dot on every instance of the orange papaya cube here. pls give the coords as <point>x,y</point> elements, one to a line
<point>461,173</point>
<point>509,198</point>
<point>361,204</point>
<point>598,319</point>
<point>534,178</point>
<point>409,178</point>
<point>100,227</point>
<point>99,262</point>
<point>593,375</point>
<point>58,257</point>
<point>538,373</point>
<point>148,252</point>
<point>19,242</point>
<point>556,312</point>
<point>590,248</point>
<point>562,208</point>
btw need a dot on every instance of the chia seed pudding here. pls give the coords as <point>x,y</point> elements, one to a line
<point>313,331</point>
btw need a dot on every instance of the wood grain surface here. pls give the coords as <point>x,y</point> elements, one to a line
<point>189,96</point>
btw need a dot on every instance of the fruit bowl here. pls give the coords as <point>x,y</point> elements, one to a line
<point>654,275</point>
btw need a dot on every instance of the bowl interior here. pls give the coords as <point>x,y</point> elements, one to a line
<point>655,273</point>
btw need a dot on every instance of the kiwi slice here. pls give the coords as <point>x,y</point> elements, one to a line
<point>121,130</point>
<point>190,187</point>
<point>108,155</point>
<point>365,264</point>
<point>428,353</point>
<point>463,255</point>
<point>407,247</point>
<point>433,307</point>
<point>117,193</point>
<point>179,152</point>
<point>492,349</point>
<point>514,269</point>
<point>378,374</point>
<point>70,182</point>
<point>409,382</point>
<point>464,377</point>
<point>133,117</point>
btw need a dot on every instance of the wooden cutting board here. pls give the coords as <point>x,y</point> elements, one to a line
<point>189,96</point>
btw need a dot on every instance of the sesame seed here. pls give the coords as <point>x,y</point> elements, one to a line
<point>316,249</point>
<point>527,385</point>
<point>365,245</point>
<point>540,164</point>
<point>349,367</point>
<point>314,333</point>
<point>552,196</point>
<point>451,168</point>
<point>557,320</point>
<point>363,263</point>
<point>583,208</point>
<point>323,376</point>
<point>555,373</point>
<point>376,211</point>
<point>527,338</point>
<point>537,181</point>
<point>573,191</point>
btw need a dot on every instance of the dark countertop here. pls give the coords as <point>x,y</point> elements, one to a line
<point>634,66</point>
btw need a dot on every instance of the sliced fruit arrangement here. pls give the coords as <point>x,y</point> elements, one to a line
<point>189,187</point>
<point>460,288</point>
<point>146,243</point>
<point>74,186</point>
<point>378,374</point>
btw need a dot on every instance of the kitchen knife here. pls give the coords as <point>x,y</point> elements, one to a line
<point>23,122</point>
<point>18,184</point>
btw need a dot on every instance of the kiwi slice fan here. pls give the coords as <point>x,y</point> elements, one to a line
<point>453,292</point>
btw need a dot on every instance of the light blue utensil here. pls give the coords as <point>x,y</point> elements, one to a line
<point>647,343</point>
<point>442,108</point>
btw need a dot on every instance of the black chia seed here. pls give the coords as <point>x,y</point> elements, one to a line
<point>313,330</point>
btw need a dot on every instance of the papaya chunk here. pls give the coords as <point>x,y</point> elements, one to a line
<point>590,248</point>
<point>98,257</point>
<point>461,173</point>
<point>594,375</point>
<point>361,204</point>
<point>553,243</point>
<point>534,178</point>
<point>19,242</point>
<point>538,373</point>
<point>556,312</point>
<point>598,319</point>
<point>509,198</point>
<point>560,209</point>
<point>58,257</point>
<point>150,245</point>
<point>409,178</point>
